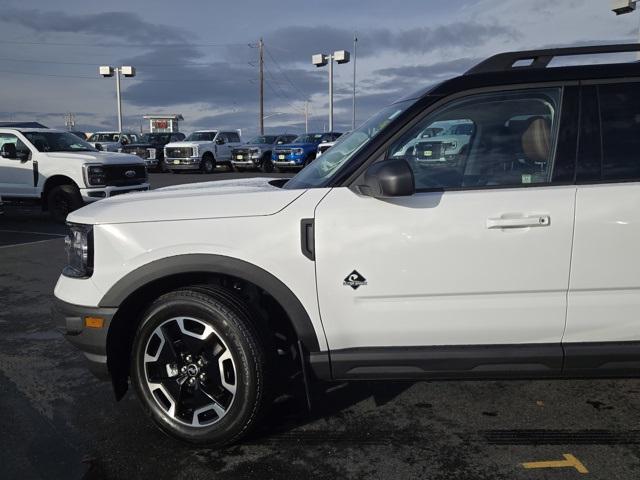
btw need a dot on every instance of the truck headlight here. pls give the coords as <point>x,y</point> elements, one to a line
<point>256,153</point>
<point>297,151</point>
<point>196,151</point>
<point>95,176</point>
<point>79,247</point>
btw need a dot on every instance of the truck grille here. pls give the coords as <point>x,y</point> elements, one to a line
<point>284,151</point>
<point>179,152</point>
<point>139,151</point>
<point>121,176</point>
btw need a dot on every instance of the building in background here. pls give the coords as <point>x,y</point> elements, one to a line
<point>164,123</point>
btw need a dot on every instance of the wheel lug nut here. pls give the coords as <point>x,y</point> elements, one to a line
<point>200,362</point>
<point>183,369</point>
<point>189,358</point>
<point>192,381</point>
<point>203,376</point>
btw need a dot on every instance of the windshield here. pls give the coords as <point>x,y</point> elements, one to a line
<point>58,142</point>
<point>309,138</point>
<point>155,138</point>
<point>104,137</point>
<point>320,171</point>
<point>201,137</point>
<point>263,139</point>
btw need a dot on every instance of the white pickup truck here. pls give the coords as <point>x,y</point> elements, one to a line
<point>202,150</point>
<point>63,172</point>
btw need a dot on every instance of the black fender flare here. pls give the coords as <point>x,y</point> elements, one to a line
<point>217,264</point>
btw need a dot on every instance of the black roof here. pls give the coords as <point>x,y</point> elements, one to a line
<point>507,68</point>
<point>22,125</point>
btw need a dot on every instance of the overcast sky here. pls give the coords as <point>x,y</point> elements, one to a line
<point>198,57</point>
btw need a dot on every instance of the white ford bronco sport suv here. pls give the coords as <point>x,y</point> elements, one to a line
<point>202,150</point>
<point>62,171</point>
<point>516,258</point>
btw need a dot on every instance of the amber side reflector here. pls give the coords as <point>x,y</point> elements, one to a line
<point>93,322</point>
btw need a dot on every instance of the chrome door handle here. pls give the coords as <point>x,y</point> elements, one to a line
<point>519,222</point>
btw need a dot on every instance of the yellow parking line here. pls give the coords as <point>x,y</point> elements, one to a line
<point>569,462</point>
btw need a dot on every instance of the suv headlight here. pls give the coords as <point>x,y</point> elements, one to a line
<point>95,176</point>
<point>297,151</point>
<point>256,153</point>
<point>79,247</point>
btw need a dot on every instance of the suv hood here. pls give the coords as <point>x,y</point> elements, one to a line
<point>306,146</point>
<point>107,158</point>
<point>218,199</point>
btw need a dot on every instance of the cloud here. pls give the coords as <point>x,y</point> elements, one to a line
<point>123,25</point>
<point>298,43</point>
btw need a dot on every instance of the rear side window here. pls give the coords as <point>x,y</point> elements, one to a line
<point>620,124</point>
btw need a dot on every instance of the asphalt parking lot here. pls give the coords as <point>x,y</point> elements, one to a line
<point>58,422</point>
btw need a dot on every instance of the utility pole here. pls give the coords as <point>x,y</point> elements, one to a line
<point>261,61</point>
<point>355,55</point>
<point>306,116</point>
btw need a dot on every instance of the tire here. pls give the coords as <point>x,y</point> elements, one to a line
<point>208,163</point>
<point>279,170</point>
<point>62,200</point>
<point>267,165</point>
<point>234,359</point>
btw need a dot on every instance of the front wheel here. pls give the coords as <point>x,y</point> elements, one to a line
<point>62,200</point>
<point>208,163</point>
<point>267,164</point>
<point>199,366</point>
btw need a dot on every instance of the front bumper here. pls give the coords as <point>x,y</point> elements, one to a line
<point>92,194</point>
<point>288,163</point>
<point>92,342</point>
<point>245,163</point>
<point>191,163</point>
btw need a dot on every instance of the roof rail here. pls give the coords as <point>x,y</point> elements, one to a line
<point>540,58</point>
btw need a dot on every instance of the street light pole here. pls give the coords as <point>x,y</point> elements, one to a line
<point>320,60</point>
<point>108,71</point>
<point>119,99</point>
<point>355,55</point>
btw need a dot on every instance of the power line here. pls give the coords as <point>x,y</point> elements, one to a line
<point>190,64</point>
<point>303,96</point>
<point>279,91</point>
<point>128,45</point>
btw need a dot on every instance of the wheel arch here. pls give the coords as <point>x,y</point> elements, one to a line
<point>132,293</point>
<point>54,181</point>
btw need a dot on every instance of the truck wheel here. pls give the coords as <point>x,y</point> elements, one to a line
<point>62,200</point>
<point>267,165</point>
<point>199,366</point>
<point>208,163</point>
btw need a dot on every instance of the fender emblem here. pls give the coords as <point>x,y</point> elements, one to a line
<point>354,280</point>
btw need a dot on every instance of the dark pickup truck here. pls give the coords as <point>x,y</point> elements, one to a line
<point>151,148</point>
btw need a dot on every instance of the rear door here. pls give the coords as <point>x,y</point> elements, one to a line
<point>479,256</point>
<point>604,290</point>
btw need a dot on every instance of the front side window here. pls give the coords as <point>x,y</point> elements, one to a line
<point>21,149</point>
<point>620,121</point>
<point>498,139</point>
<point>233,137</point>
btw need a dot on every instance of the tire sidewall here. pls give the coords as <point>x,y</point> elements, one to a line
<point>208,159</point>
<point>70,193</point>
<point>248,378</point>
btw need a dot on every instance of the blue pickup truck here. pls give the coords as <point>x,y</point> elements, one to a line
<point>301,151</point>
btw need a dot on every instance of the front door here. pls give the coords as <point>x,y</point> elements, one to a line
<point>16,174</point>
<point>478,256</point>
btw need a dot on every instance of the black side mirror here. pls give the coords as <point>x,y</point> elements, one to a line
<point>389,178</point>
<point>8,150</point>
<point>99,147</point>
<point>219,141</point>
